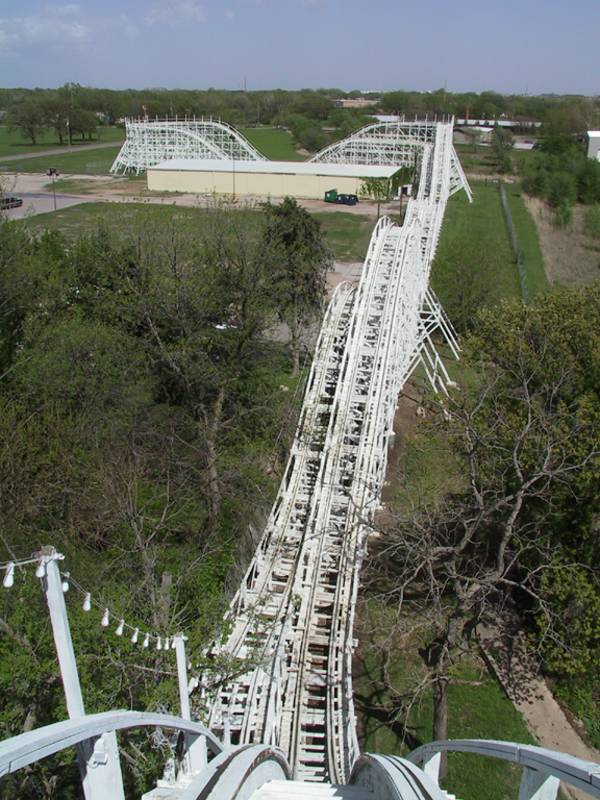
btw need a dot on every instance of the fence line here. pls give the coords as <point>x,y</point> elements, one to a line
<point>512,234</point>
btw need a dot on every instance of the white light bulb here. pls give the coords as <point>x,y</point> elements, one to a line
<point>87,602</point>
<point>146,640</point>
<point>134,636</point>
<point>65,582</point>
<point>158,643</point>
<point>40,570</point>
<point>9,576</point>
<point>105,618</point>
<point>120,627</point>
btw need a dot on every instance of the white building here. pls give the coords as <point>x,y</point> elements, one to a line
<point>302,179</point>
<point>594,145</point>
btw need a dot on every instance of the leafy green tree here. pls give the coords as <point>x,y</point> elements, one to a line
<point>56,114</point>
<point>28,118</point>
<point>302,262</point>
<point>502,143</point>
<point>462,278</point>
<point>562,189</point>
<point>377,189</point>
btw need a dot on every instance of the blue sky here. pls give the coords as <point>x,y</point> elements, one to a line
<point>510,46</point>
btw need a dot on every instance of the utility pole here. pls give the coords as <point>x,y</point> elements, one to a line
<point>98,758</point>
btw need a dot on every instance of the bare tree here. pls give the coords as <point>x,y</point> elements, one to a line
<point>450,566</point>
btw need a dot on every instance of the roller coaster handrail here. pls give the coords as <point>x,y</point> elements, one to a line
<point>19,751</point>
<point>576,772</point>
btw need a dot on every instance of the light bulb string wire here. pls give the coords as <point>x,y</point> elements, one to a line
<point>141,629</point>
<point>143,634</point>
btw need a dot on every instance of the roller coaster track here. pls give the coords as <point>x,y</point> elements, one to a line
<point>287,679</point>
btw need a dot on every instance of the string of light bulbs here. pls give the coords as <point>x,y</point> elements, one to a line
<point>137,634</point>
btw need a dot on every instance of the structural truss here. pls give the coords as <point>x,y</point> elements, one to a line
<point>398,143</point>
<point>290,643</point>
<point>148,142</point>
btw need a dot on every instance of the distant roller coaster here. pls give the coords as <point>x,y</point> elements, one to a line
<point>148,142</point>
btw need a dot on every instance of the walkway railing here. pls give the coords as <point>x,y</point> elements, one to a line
<point>543,769</point>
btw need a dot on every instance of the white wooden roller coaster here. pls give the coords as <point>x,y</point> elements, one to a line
<point>292,617</point>
<point>281,721</point>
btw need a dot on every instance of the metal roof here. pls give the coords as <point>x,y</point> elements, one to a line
<point>277,167</point>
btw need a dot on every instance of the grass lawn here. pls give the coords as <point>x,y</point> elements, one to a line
<point>85,162</point>
<point>528,239</point>
<point>347,234</point>
<point>275,144</point>
<point>477,708</point>
<point>482,225</point>
<point>477,159</point>
<point>13,144</point>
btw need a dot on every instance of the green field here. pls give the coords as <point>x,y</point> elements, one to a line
<point>276,144</point>
<point>478,228</point>
<point>347,234</point>
<point>12,143</point>
<point>85,162</point>
<point>528,240</point>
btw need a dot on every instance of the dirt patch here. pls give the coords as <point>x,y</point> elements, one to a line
<point>571,258</point>
<point>343,271</point>
<point>405,423</point>
<point>508,657</point>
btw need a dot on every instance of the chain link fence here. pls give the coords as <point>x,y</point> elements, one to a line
<point>514,242</point>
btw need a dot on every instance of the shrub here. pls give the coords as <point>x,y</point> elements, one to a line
<point>563,214</point>
<point>562,189</point>
<point>591,222</point>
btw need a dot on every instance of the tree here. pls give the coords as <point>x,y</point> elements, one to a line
<point>27,117</point>
<point>56,114</point>
<point>502,143</point>
<point>302,260</point>
<point>463,277</point>
<point>377,189</point>
<point>521,532</point>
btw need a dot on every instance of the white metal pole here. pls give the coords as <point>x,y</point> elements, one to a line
<point>184,698</point>
<point>196,749</point>
<point>98,758</point>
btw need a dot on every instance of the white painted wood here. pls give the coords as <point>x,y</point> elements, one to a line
<point>98,758</point>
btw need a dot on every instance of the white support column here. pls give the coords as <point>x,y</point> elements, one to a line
<point>536,785</point>
<point>98,758</point>
<point>196,755</point>
<point>431,766</point>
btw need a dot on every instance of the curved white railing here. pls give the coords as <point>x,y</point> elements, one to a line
<point>29,747</point>
<point>541,767</point>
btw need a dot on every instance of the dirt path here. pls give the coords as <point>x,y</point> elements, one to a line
<point>60,151</point>
<point>519,676</point>
<point>570,257</point>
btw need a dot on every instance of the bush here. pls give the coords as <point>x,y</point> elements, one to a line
<point>563,215</point>
<point>562,189</point>
<point>591,222</point>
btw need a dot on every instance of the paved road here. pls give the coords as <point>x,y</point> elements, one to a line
<point>61,151</point>
<point>41,203</point>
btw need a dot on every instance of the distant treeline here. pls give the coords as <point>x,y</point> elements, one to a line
<point>563,113</point>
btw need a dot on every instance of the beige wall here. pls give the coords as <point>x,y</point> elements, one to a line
<point>250,183</point>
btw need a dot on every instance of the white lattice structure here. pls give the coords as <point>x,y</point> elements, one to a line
<point>399,143</point>
<point>292,618</point>
<point>148,142</point>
